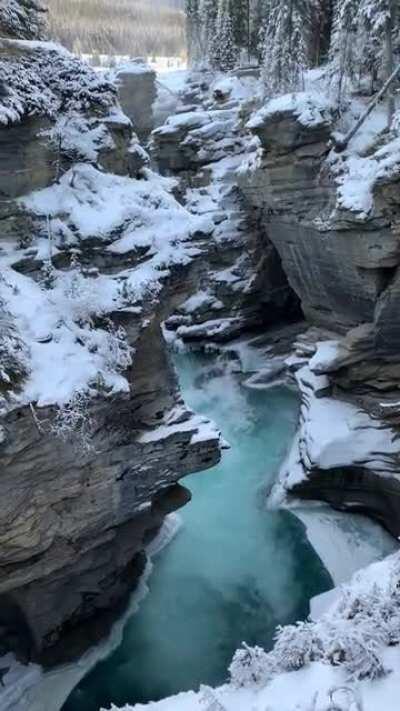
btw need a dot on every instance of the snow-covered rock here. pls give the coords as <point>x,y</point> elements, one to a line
<point>90,260</point>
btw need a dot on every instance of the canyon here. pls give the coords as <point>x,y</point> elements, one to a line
<point>239,222</point>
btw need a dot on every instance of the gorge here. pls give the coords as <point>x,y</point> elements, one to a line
<point>237,223</point>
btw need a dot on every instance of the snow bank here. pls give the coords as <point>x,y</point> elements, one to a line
<point>311,109</point>
<point>56,319</point>
<point>43,79</point>
<point>335,433</point>
<point>357,176</point>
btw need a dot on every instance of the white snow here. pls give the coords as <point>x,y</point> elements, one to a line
<point>344,543</point>
<point>203,430</point>
<point>55,321</point>
<point>335,433</point>
<point>311,109</point>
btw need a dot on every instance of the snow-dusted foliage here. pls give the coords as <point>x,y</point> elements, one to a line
<point>73,422</point>
<point>47,81</point>
<point>22,19</point>
<point>353,635</point>
<point>193,28</point>
<point>208,18</point>
<point>14,363</point>
<point>363,36</point>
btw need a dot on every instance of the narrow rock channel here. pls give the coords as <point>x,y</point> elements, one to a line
<point>233,572</point>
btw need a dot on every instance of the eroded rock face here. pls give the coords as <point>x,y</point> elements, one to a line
<point>86,478</point>
<point>337,235</point>
<point>137,94</point>
<point>340,263</point>
<point>241,284</point>
<point>73,530</point>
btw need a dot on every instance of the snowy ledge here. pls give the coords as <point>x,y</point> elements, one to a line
<point>334,433</point>
<point>310,108</point>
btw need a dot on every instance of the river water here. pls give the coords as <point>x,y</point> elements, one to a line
<point>233,572</point>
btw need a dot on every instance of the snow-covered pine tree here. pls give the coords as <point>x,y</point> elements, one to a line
<point>224,52</point>
<point>193,29</point>
<point>365,33</point>
<point>321,20</point>
<point>208,16</point>
<point>344,52</point>
<point>378,23</point>
<point>287,41</point>
<point>259,13</point>
<point>240,14</point>
<point>22,19</point>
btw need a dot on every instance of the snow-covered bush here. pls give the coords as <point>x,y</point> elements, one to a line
<point>48,82</point>
<point>84,300</point>
<point>73,422</point>
<point>13,357</point>
<point>249,667</point>
<point>354,636</point>
<point>14,362</point>
<point>22,19</point>
<point>112,346</point>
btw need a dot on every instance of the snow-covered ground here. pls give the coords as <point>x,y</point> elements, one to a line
<point>54,318</point>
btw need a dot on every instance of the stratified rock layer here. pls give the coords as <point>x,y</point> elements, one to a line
<point>137,93</point>
<point>341,256</point>
<point>78,506</point>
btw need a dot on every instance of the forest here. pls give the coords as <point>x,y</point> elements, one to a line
<point>133,27</point>
<point>359,38</point>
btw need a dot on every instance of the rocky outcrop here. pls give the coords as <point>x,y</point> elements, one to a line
<point>333,218</point>
<point>137,94</point>
<point>73,531</point>
<point>94,437</point>
<point>241,285</point>
<point>340,261</point>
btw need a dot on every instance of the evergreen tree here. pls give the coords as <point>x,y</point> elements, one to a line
<point>193,29</point>
<point>240,15</point>
<point>322,13</point>
<point>224,52</point>
<point>22,19</point>
<point>363,39</point>
<point>259,13</point>
<point>287,45</point>
<point>208,16</point>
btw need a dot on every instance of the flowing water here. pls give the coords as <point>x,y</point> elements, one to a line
<point>233,572</point>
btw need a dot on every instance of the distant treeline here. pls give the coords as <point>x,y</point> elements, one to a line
<point>132,27</point>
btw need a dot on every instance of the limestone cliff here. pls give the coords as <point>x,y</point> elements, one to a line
<point>94,437</point>
<point>333,218</point>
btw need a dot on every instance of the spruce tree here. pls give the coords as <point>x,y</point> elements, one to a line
<point>208,17</point>
<point>259,14</point>
<point>193,29</point>
<point>224,52</point>
<point>22,19</point>
<point>287,41</point>
<point>363,39</point>
<point>240,15</point>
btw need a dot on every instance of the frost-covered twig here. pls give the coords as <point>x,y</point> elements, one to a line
<point>73,422</point>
